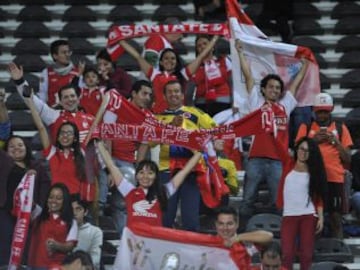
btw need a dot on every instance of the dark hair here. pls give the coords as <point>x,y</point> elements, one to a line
<point>171,83</point>
<point>66,87</point>
<point>91,69</point>
<point>76,198</point>
<point>178,67</point>
<point>28,155</point>
<point>226,210</point>
<point>84,257</point>
<point>208,37</point>
<point>66,214</point>
<point>140,83</point>
<point>272,250</point>
<point>269,77</point>
<point>54,46</point>
<point>157,189</point>
<point>78,155</point>
<point>316,169</point>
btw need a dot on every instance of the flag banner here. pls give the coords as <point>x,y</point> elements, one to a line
<point>157,248</point>
<point>23,200</point>
<point>120,32</point>
<point>265,56</point>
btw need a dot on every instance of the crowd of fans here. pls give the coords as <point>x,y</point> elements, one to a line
<point>84,174</point>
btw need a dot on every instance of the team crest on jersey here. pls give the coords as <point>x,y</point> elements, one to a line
<point>187,115</point>
<point>85,124</point>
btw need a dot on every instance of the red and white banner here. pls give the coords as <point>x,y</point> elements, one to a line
<point>265,56</point>
<point>157,248</point>
<point>23,200</point>
<point>120,32</point>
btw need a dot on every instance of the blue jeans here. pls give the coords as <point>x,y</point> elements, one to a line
<point>117,201</point>
<point>298,116</point>
<point>257,170</point>
<point>189,196</point>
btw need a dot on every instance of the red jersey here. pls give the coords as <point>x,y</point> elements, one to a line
<point>56,81</point>
<point>213,74</point>
<point>82,120</point>
<point>90,101</point>
<point>159,79</point>
<point>52,228</point>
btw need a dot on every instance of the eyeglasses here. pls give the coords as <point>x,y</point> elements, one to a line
<point>303,149</point>
<point>66,133</point>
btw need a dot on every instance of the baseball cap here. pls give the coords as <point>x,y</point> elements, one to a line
<point>323,102</point>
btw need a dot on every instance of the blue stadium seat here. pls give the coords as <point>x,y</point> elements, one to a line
<point>78,29</point>
<point>124,13</point>
<point>35,2</point>
<point>180,47</point>
<point>325,82</point>
<point>348,26</point>
<point>166,11</point>
<point>345,9</point>
<point>30,62</point>
<point>305,10</point>
<point>268,222</point>
<point>30,46</point>
<point>126,2</point>
<point>81,2</point>
<point>21,121</point>
<point>32,29</point>
<point>128,63</point>
<point>314,44</point>
<point>34,13</point>
<point>79,13</point>
<point>15,102</point>
<point>3,15</point>
<point>352,99</point>
<point>348,43</point>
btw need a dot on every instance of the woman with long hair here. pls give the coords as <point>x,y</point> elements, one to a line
<point>66,157</point>
<point>170,68</point>
<point>16,159</point>
<point>54,232</point>
<point>301,196</point>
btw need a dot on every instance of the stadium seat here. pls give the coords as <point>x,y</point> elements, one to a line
<point>32,29</point>
<point>352,99</point>
<point>79,13</point>
<point>348,43</point>
<point>331,249</point>
<point>108,227</point>
<point>76,58</point>
<point>124,13</point>
<point>1,32</point>
<point>349,60</point>
<point>15,102</point>
<point>30,46</point>
<point>348,26</point>
<point>128,63</point>
<point>345,9</point>
<point>170,2</point>
<point>307,27</point>
<point>166,11</point>
<point>180,47</point>
<point>126,2</point>
<point>222,47</point>
<point>350,79</point>
<point>21,121</point>
<point>353,118</point>
<point>305,10</point>
<point>35,2</point>
<point>36,142</point>
<point>325,82</point>
<point>81,2</point>
<point>108,253</point>
<point>34,13</point>
<point>321,61</point>
<point>3,15</point>
<point>78,29</point>
<point>81,46</point>
<point>253,11</point>
<point>33,81</point>
<point>30,62</point>
<point>314,44</point>
<point>267,222</point>
<point>324,266</point>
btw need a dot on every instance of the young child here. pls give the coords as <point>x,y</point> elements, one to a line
<point>146,202</point>
<point>54,233</point>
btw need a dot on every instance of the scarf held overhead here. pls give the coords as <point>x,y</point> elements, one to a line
<point>120,32</point>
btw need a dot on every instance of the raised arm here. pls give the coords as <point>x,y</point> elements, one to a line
<point>299,77</point>
<point>44,136</point>
<point>144,65</point>
<point>245,68</point>
<point>179,178</point>
<point>257,237</point>
<point>4,116</point>
<point>194,65</point>
<point>114,171</point>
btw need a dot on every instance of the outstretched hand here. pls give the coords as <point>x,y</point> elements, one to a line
<point>16,72</point>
